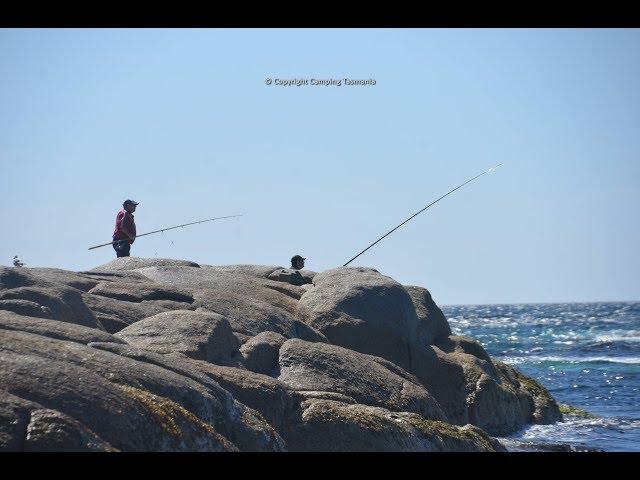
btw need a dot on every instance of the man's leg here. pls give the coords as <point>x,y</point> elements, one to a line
<point>122,248</point>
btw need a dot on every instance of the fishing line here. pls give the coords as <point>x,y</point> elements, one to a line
<point>420,211</point>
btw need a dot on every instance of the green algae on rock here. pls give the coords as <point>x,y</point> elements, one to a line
<point>570,410</point>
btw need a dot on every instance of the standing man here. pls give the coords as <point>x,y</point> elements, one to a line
<point>125,232</point>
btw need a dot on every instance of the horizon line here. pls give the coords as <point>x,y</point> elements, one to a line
<point>536,303</point>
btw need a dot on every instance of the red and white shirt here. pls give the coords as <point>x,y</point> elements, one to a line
<point>124,221</point>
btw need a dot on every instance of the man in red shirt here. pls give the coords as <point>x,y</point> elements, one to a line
<point>125,232</point>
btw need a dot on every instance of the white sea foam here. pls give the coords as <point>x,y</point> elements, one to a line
<point>556,359</point>
<point>578,433</point>
<point>631,336</point>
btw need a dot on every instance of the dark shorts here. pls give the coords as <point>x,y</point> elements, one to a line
<point>122,248</point>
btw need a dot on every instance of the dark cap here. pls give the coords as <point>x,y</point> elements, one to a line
<point>297,257</point>
<point>129,202</point>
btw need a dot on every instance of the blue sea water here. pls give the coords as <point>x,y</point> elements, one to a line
<point>586,354</point>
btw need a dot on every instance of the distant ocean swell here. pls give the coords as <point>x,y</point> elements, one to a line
<point>586,354</point>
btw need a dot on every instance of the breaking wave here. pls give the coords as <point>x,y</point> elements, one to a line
<point>552,359</point>
<point>586,354</point>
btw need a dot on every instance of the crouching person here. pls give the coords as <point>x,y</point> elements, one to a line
<point>293,275</point>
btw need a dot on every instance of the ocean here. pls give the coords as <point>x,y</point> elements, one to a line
<point>586,354</point>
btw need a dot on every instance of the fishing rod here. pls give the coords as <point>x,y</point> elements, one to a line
<point>420,211</point>
<point>168,228</point>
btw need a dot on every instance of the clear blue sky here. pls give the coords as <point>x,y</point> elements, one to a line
<point>182,121</point>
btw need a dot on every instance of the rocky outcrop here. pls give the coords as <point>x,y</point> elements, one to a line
<point>252,304</point>
<point>432,324</point>
<point>199,335</point>
<point>130,405</point>
<point>169,355</point>
<point>293,276</point>
<point>54,329</point>
<point>132,263</point>
<point>56,301</point>
<point>260,353</point>
<point>330,426</point>
<point>360,309</point>
<point>366,379</point>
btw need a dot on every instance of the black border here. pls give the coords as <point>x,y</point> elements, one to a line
<point>502,465</point>
<point>318,15</point>
<point>314,13</point>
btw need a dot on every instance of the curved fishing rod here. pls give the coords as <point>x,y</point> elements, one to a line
<point>420,211</point>
<point>168,228</point>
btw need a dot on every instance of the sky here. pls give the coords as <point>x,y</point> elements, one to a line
<point>184,122</point>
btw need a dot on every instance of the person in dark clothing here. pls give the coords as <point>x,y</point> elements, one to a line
<point>292,275</point>
<point>125,232</point>
<point>297,262</point>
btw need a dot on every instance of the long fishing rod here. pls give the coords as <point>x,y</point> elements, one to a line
<point>168,228</point>
<point>420,211</point>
